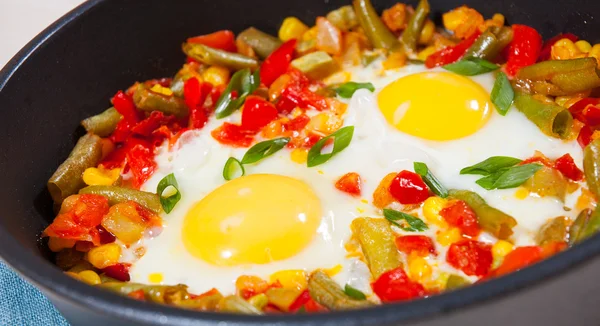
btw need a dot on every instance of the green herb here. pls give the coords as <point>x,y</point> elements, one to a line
<point>414,223</point>
<point>488,181</point>
<point>491,165</point>
<point>341,140</point>
<point>232,168</point>
<point>502,94</point>
<point>243,83</point>
<point>354,293</point>
<point>264,149</point>
<point>170,197</point>
<point>511,177</point>
<point>346,90</point>
<point>471,67</point>
<point>430,180</point>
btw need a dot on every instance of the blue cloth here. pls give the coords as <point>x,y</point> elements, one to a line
<point>21,304</point>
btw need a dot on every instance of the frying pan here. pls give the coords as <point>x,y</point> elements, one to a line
<point>71,69</point>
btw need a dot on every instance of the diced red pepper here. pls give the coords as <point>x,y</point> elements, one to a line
<point>566,165</point>
<point>298,94</point>
<point>123,103</point>
<point>538,159</point>
<point>408,188</point>
<point>547,47</point>
<point>304,141</point>
<point>420,245</point>
<point>460,215</point>
<point>116,158</point>
<point>300,301</point>
<point>349,183</point>
<point>137,295</point>
<point>277,63</point>
<point>222,40</point>
<point>140,161</point>
<point>451,53</point>
<point>519,258</point>
<point>470,256</point>
<point>257,113</point>
<point>587,110</point>
<point>195,95</point>
<point>120,272</point>
<point>233,135</point>
<point>105,235</point>
<point>552,248</point>
<point>524,49</point>
<point>151,123</point>
<point>298,123</point>
<point>585,136</point>
<point>394,285</point>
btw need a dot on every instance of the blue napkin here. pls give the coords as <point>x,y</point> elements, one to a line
<point>21,304</point>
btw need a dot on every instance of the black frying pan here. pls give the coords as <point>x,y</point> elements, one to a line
<point>70,71</point>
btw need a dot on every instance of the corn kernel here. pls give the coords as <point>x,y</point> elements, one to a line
<point>440,282</point>
<point>583,46</point>
<point>73,275</point>
<point>595,52</point>
<point>291,28</point>
<point>310,34</point>
<point>89,277</point>
<point>498,18</point>
<point>299,155</point>
<point>501,248</point>
<point>419,269</point>
<point>521,193</point>
<point>338,78</point>
<point>155,278</point>
<point>100,176</point>
<point>565,49</point>
<point>57,244</point>
<point>259,301</point>
<point>216,75</point>
<point>104,255</point>
<point>463,21</point>
<point>446,238</point>
<point>333,270</point>
<point>290,279</point>
<point>431,211</point>
<point>426,52</point>
<point>394,60</point>
<point>161,90</point>
<point>427,32</point>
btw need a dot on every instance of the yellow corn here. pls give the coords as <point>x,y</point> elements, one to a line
<point>290,279</point>
<point>100,176</point>
<point>426,52</point>
<point>161,90</point>
<point>291,28</point>
<point>565,49</point>
<point>324,123</point>
<point>259,301</point>
<point>431,211</point>
<point>448,237</point>
<point>89,277</point>
<point>427,32</point>
<point>104,255</point>
<point>57,244</point>
<point>501,248</point>
<point>155,278</point>
<point>310,34</point>
<point>338,78</point>
<point>394,60</point>
<point>73,275</point>
<point>440,282</point>
<point>419,269</point>
<point>299,155</point>
<point>583,46</point>
<point>585,200</point>
<point>595,52</point>
<point>216,75</point>
<point>498,18</point>
<point>463,21</point>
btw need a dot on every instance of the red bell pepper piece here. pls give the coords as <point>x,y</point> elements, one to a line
<point>137,295</point>
<point>420,245</point>
<point>524,49</point>
<point>297,94</point>
<point>394,285</point>
<point>151,123</point>
<point>105,235</point>
<point>519,258</point>
<point>277,63</point>
<point>547,47</point>
<point>116,158</point>
<point>257,113</point>
<point>587,110</point>
<point>120,272</point>
<point>408,188</point>
<point>233,135</point>
<point>222,40</point>
<point>470,256</point>
<point>298,123</point>
<point>451,53</point>
<point>195,95</point>
<point>140,161</point>
<point>585,136</point>
<point>460,215</point>
<point>123,103</point>
<point>566,165</point>
<point>349,183</point>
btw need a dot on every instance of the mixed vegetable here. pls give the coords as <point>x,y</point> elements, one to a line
<point>274,80</point>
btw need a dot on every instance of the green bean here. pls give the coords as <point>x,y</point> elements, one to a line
<point>117,195</point>
<point>106,279</point>
<point>203,303</point>
<point>555,230</point>
<point>415,24</point>
<point>490,43</point>
<point>166,294</point>
<point>343,18</point>
<point>490,219</point>
<point>552,119</point>
<point>456,282</point>
<point>262,43</point>
<point>328,293</point>
<point>102,124</point>
<point>210,56</point>
<point>586,225</point>
<point>591,166</point>
<point>235,304</point>
<point>147,100</point>
<point>545,70</point>
<point>562,77</point>
<point>377,243</point>
<point>548,182</point>
<point>375,30</point>
<point>68,178</point>
<point>315,65</point>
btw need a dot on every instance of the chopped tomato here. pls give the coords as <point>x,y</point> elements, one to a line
<point>420,245</point>
<point>457,213</point>
<point>587,110</point>
<point>408,188</point>
<point>547,47</point>
<point>298,123</point>
<point>566,165</point>
<point>394,285</point>
<point>222,40</point>
<point>451,53</point>
<point>302,140</point>
<point>105,236</point>
<point>140,161</point>
<point>195,95</point>
<point>233,135</point>
<point>277,63</point>
<point>585,136</point>
<point>120,272</point>
<point>349,183</point>
<point>538,158</point>
<point>552,248</point>
<point>151,123</point>
<point>137,295</point>
<point>524,49</point>
<point>297,94</point>
<point>116,158</point>
<point>257,113</point>
<point>123,103</point>
<point>519,258</point>
<point>472,257</point>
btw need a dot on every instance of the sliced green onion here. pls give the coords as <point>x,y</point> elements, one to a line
<point>264,149</point>
<point>509,177</point>
<point>341,140</point>
<point>354,293</point>
<point>430,180</point>
<point>346,90</point>
<point>233,169</point>
<point>244,83</point>
<point>168,192</point>
<point>471,67</point>
<point>502,94</point>
<point>491,165</point>
<point>414,223</point>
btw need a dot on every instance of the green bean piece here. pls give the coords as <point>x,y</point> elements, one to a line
<point>102,124</point>
<point>456,282</point>
<point>490,219</point>
<point>68,258</point>
<point>490,43</point>
<point>375,30</point>
<point>577,81</point>
<point>203,303</point>
<point>328,293</point>
<point>548,182</point>
<point>147,100</point>
<point>591,166</point>
<point>547,69</point>
<point>552,119</point>
<point>555,230</point>
<point>586,225</point>
<point>414,27</point>
<point>561,77</point>
<point>343,18</point>
<point>106,279</point>
<point>211,56</point>
<point>117,195</point>
<point>68,178</point>
<point>165,294</point>
<point>315,65</point>
<point>376,240</point>
<point>262,43</point>
<point>235,304</point>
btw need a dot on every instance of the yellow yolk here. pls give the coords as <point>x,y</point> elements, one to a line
<point>253,219</point>
<point>435,105</point>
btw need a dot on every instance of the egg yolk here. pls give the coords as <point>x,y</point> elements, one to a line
<point>435,105</point>
<point>253,219</point>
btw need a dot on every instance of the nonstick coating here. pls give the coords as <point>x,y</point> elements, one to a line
<point>71,70</point>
